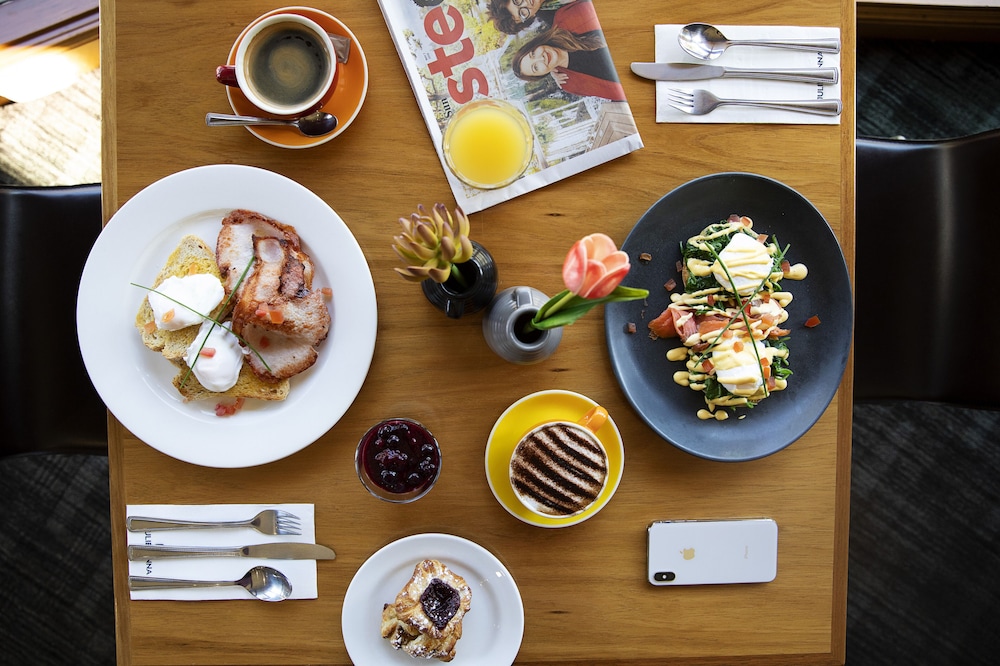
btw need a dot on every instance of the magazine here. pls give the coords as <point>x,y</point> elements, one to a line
<point>544,63</point>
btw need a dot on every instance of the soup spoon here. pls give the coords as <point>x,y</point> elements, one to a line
<point>708,43</point>
<point>315,124</point>
<point>265,583</point>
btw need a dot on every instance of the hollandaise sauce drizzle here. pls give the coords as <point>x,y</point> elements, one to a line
<point>742,311</point>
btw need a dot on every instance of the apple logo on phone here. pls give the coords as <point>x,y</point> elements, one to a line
<point>687,553</point>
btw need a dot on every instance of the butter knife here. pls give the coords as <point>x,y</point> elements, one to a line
<point>273,551</point>
<point>682,71</point>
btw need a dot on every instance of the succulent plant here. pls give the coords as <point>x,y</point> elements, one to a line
<point>431,244</point>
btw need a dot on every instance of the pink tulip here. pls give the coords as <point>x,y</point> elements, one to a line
<point>594,266</point>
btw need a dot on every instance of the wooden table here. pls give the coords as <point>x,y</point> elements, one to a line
<point>585,596</point>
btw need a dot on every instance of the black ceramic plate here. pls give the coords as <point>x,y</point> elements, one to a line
<point>817,356</point>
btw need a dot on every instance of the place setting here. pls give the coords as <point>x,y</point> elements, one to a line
<point>745,74</point>
<point>223,551</point>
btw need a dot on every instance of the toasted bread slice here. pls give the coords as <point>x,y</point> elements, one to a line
<point>191,256</point>
<point>247,386</point>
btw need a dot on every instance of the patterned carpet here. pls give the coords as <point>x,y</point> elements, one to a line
<point>924,569</point>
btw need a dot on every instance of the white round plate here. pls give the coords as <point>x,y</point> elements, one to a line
<point>135,383</point>
<point>491,630</point>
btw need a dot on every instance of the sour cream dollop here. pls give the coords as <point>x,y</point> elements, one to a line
<point>199,292</point>
<point>216,364</point>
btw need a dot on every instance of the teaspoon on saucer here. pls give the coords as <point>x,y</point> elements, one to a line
<point>315,124</point>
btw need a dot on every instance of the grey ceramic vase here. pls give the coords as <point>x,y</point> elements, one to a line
<point>480,273</point>
<point>506,330</point>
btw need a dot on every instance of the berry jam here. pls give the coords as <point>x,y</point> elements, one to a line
<point>401,457</point>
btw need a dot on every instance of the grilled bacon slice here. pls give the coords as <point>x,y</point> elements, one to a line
<point>276,311</point>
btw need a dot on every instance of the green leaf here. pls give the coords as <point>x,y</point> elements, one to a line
<point>573,307</point>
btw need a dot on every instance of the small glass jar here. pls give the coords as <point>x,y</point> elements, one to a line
<point>398,460</point>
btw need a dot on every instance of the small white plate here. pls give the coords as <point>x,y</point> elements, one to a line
<point>491,630</point>
<point>135,383</point>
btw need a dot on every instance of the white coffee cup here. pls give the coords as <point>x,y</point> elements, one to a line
<point>285,65</point>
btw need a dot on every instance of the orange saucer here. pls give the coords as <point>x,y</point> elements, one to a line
<point>349,95</point>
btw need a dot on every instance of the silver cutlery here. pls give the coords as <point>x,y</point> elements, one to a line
<point>699,102</point>
<point>683,71</point>
<point>270,521</point>
<point>274,551</point>
<point>265,583</point>
<point>708,43</point>
<point>317,123</point>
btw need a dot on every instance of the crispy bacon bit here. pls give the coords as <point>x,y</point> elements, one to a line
<point>812,322</point>
<point>645,257</point>
<point>786,266</point>
<point>710,299</point>
<point>670,284</point>
<point>207,352</point>
<point>680,266</point>
<point>229,409</point>
<point>168,315</point>
<point>630,327</point>
<point>761,238</point>
<point>707,367</point>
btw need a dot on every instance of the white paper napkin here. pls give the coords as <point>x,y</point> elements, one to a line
<point>750,57</point>
<point>301,573</point>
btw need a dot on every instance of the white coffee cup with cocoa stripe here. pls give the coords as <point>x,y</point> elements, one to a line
<point>559,468</point>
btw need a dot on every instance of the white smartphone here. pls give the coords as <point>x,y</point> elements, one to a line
<point>708,552</point>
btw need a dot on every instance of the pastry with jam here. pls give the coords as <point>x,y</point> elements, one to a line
<point>425,619</point>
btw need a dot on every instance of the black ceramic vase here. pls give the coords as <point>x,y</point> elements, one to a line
<point>455,300</point>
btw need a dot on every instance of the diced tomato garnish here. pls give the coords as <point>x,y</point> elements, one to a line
<point>785,267</point>
<point>746,221</point>
<point>767,319</point>
<point>761,238</point>
<point>262,311</point>
<point>812,322</point>
<point>707,366</point>
<point>192,269</point>
<point>710,299</point>
<point>327,292</point>
<point>168,315</point>
<point>276,316</point>
<point>765,361</point>
<point>207,352</point>
<point>149,327</point>
<point>767,371</point>
<point>765,297</point>
<point>737,346</point>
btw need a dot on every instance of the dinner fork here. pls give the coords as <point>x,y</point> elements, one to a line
<point>699,102</point>
<point>270,521</point>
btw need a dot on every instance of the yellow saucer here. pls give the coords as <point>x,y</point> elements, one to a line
<point>522,416</point>
<point>351,86</point>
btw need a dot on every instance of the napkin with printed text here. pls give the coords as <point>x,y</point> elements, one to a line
<point>300,573</point>
<point>750,57</point>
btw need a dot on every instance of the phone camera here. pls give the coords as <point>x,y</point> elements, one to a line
<point>664,576</point>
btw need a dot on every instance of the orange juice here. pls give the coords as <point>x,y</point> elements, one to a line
<point>488,144</point>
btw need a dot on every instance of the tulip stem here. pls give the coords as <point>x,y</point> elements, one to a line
<point>555,307</point>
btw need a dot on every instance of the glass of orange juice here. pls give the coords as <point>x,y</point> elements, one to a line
<point>488,144</point>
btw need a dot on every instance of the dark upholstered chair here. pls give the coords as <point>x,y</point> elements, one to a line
<point>924,565</point>
<point>927,325</point>
<point>48,403</point>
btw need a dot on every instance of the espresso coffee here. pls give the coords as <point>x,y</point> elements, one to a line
<point>558,469</point>
<point>286,65</point>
